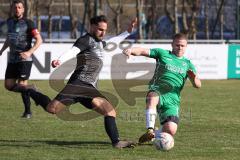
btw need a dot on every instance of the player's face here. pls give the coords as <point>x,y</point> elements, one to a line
<point>99,30</point>
<point>179,47</point>
<point>18,10</point>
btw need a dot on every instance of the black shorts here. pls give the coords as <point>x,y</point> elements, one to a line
<point>20,70</point>
<point>78,91</point>
<point>174,119</point>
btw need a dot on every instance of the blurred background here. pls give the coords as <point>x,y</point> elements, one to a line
<point>212,27</point>
<point>159,19</point>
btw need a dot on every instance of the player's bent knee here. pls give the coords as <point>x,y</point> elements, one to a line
<point>112,113</point>
<point>152,100</point>
<point>170,127</point>
<point>9,87</point>
<point>172,132</point>
<point>98,102</point>
<point>51,108</point>
<point>105,110</point>
<point>103,107</point>
<point>152,94</point>
<point>55,107</point>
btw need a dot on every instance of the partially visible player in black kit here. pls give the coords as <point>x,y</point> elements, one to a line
<point>82,85</point>
<point>21,31</point>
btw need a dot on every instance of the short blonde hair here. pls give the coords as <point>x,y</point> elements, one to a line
<point>180,36</point>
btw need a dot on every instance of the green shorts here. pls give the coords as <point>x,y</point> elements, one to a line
<point>168,106</point>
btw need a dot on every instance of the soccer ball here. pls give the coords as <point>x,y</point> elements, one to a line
<point>163,141</point>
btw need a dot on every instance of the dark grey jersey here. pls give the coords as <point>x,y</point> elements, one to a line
<point>89,60</point>
<point>19,37</point>
<point>90,54</point>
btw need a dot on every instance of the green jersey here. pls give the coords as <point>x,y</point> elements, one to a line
<point>170,72</point>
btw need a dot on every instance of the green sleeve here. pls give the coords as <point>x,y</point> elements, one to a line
<point>192,67</point>
<point>156,52</point>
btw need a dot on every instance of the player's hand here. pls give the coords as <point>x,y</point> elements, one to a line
<point>132,25</point>
<point>127,52</point>
<point>25,55</point>
<point>191,74</point>
<point>55,63</point>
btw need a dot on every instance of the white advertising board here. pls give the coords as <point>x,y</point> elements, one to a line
<point>210,61</point>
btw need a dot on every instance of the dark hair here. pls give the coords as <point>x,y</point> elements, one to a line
<point>180,36</point>
<point>19,1</point>
<point>95,20</point>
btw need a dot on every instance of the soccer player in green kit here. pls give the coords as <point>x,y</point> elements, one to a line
<point>171,72</point>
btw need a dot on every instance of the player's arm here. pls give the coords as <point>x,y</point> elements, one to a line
<point>196,82</point>
<point>5,46</point>
<point>38,41</point>
<point>137,51</point>
<point>81,44</point>
<point>118,39</point>
<point>71,53</point>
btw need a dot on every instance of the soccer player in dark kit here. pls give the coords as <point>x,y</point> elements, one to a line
<point>21,31</point>
<point>82,85</point>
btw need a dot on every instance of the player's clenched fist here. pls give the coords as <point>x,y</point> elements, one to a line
<point>127,52</point>
<point>55,63</point>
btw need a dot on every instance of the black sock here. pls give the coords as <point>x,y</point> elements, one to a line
<point>26,102</point>
<point>111,129</point>
<point>39,98</point>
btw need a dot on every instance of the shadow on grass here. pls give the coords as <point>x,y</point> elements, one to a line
<point>72,144</point>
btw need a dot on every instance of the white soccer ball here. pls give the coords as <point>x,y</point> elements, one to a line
<point>163,141</point>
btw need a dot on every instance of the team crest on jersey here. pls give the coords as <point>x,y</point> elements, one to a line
<point>17,29</point>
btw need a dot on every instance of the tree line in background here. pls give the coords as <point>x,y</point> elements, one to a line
<point>158,19</point>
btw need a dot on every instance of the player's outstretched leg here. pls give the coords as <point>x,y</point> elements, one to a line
<point>39,98</point>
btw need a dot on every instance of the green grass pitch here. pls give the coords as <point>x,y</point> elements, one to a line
<point>209,128</point>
